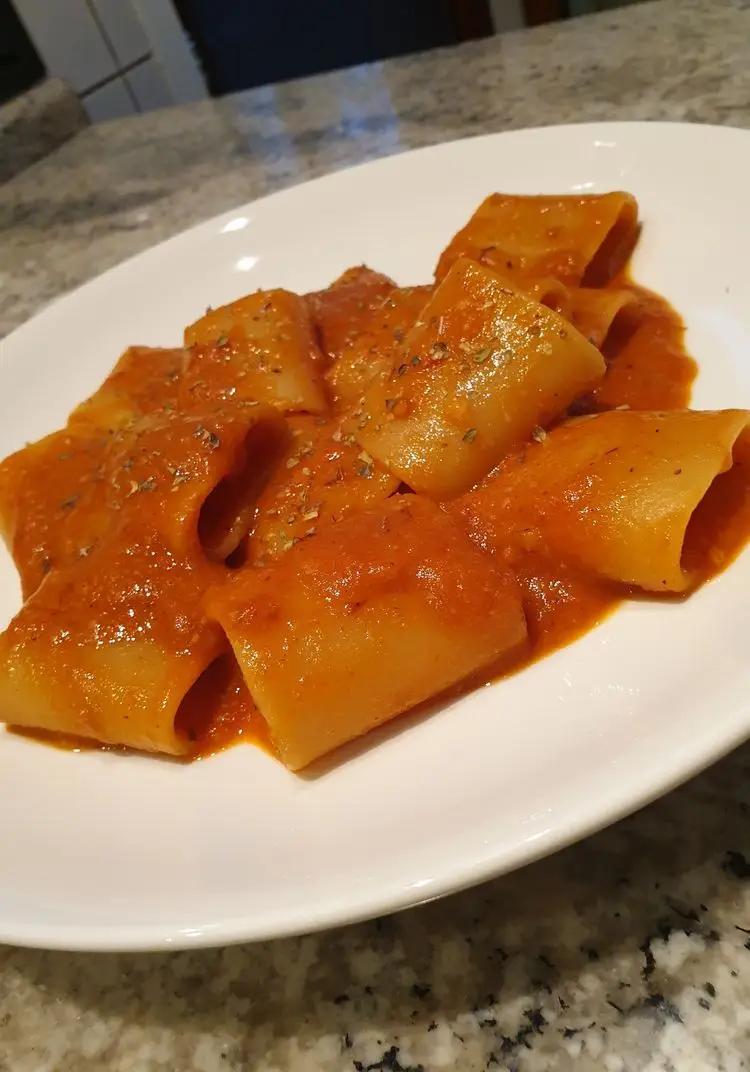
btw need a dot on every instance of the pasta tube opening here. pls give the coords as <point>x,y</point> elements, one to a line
<point>718,527</point>
<point>228,511</point>
<point>217,710</point>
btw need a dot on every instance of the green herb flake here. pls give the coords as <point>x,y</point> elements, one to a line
<point>207,436</point>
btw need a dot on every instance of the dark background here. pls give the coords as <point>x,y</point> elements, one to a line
<point>20,66</point>
<point>243,44</point>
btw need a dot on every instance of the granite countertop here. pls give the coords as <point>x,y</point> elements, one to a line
<point>626,953</point>
<point>36,123</point>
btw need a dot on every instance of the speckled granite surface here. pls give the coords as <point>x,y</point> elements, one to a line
<point>118,187</point>
<point>36,123</point>
<point>627,953</point>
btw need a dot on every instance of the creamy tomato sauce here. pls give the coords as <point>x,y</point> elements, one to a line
<point>647,368</point>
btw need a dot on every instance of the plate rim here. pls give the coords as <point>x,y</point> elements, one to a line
<point>619,124</point>
<point>700,752</point>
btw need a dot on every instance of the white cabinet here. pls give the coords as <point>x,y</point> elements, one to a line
<point>68,40</point>
<point>122,28</point>
<point>121,56</point>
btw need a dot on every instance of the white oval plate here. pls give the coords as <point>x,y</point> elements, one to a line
<point>104,851</point>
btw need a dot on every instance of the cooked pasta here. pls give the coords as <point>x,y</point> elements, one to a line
<point>483,367</point>
<point>382,611</point>
<point>326,509</point>
<point>259,348</point>
<point>612,493</point>
<point>108,647</point>
<point>572,238</point>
